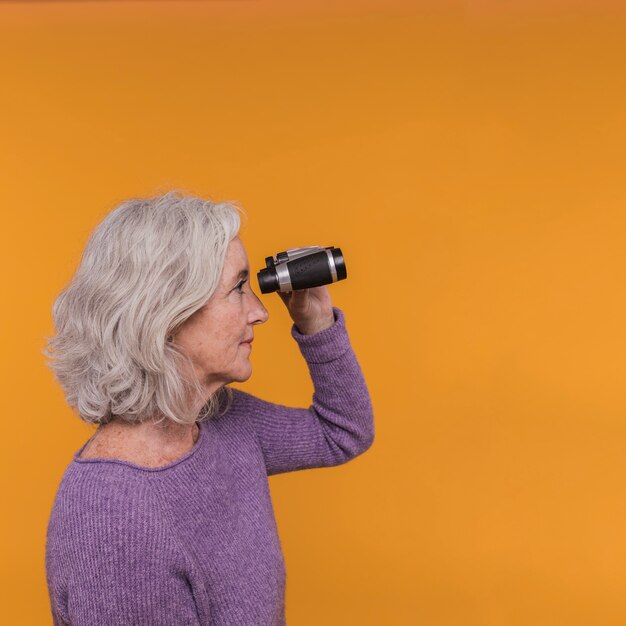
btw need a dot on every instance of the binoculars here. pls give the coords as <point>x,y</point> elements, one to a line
<point>301,268</point>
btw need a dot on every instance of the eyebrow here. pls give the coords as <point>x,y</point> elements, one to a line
<point>242,274</point>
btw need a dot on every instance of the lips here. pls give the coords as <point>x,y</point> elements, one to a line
<point>248,340</point>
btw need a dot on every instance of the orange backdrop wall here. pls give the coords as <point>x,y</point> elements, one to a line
<point>469,160</point>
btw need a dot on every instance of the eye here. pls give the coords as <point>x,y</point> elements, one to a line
<point>239,287</point>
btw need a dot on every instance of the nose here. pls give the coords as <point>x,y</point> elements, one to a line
<point>258,314</point>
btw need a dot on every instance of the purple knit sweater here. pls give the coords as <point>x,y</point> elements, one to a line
<point>195,542</point>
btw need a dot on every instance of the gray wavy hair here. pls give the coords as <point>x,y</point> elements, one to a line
<point>147,267</point>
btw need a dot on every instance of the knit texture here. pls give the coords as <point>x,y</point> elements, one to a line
<point>195,542</point>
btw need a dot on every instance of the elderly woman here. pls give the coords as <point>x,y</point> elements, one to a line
<point>164,516</point>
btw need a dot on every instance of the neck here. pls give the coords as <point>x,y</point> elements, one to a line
<point>166,438</point>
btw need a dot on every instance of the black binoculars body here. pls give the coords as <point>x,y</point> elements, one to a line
<point>301,268</point>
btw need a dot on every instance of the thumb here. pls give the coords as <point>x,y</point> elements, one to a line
<point>300,298</point>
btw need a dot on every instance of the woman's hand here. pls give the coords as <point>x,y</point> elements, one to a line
<point>310,309</point>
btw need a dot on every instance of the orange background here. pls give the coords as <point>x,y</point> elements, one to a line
<point>469,159</point>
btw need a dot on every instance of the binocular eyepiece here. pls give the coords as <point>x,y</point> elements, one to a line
<point>301,268</point>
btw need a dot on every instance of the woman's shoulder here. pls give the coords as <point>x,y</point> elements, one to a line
<point>100,500</point>
<point>88,487</point>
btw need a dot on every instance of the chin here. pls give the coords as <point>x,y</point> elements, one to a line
<point>243,375</point>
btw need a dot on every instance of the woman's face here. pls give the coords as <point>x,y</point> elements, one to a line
<point>213,336</point>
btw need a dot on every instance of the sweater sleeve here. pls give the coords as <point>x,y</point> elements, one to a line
<point>120,567</point>
<point>339,424</point>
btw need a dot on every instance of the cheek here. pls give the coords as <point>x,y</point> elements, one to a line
<point>214,343</point>
<point>225,345</point>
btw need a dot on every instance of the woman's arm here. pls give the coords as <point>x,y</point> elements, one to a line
<point>338,426</point>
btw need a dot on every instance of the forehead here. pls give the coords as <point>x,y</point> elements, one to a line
<point>236,258</point>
